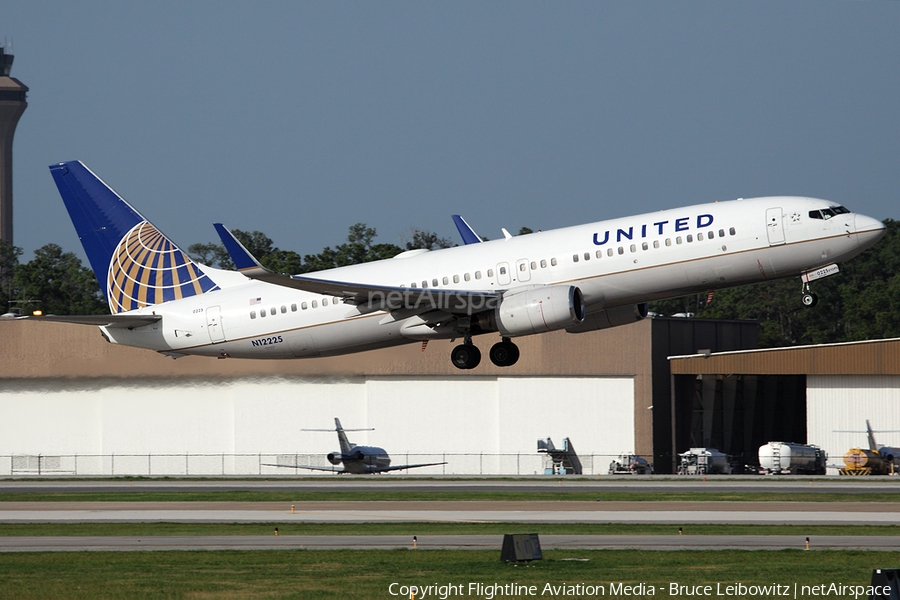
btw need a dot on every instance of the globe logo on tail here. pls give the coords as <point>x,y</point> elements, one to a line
<point>146,268</point>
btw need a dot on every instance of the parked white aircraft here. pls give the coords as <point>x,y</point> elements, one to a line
<point>578,278</point>
<point>356,459</point>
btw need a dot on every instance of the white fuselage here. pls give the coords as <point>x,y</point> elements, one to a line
<point>614,263</point>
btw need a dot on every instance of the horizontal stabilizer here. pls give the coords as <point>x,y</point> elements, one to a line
<point>115,321</point>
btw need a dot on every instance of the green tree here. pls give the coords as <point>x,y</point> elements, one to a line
<point>56,283</point>
<point>427,240</point>
<point>9,258</point>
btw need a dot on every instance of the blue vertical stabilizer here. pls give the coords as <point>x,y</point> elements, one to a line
<point>135,264</point>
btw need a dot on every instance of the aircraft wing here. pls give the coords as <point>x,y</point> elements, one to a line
<point>401,467</point>
<point>367,297</point>
<point>465,231</point>
<point>123,321</point>
<point>329,469</point>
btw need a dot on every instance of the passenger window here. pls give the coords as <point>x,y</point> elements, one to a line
<point>324,301</point>
<point>721,233</point>
<point>678,240</point>
<point>477,274</point>
<point>424,284</point>
<point>621,250</point>
<point>645,246</point>
<point>690,238</point>
<point>656,243</point>
<point>303,306</point>
<point>293,308</point>
<point>502,272</point>
<point>711,235</point>
<point>434,283</point>
<point>599,253</point>
<point>633,248</point>
<point>413,286</point>
<point>446,280</point>
<point>587,256</point>
<point>456,277</point>
<point>552,262</point>
<point>609,252</point>
<point>574,258</point>
<point>252,314</point>
<point>467,277</point>
<point>668,241</point>
<point>533,265</point>
<point>262,313</point>
<point>315,304</point>
<point>731,231</point>
<point>272,311</point>
<point>283,309</point>
<point>700,236</point>
<point>490,272</point>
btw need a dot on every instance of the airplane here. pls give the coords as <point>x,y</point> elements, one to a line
<point>356,459</point>
<point>578,279</point>
<point>889,454</point>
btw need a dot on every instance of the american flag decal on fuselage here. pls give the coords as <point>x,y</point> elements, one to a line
<point>146,268</point>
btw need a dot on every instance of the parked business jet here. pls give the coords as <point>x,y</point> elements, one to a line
<point>580,278</point>
<point>356,459</point>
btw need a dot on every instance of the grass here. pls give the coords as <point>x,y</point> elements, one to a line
<point>148,529</point>
<point>410,496</point>
<point>313,574</point>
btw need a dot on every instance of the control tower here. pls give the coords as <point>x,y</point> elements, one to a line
<point>12,105</point>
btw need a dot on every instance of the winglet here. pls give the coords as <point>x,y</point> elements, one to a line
<point>465,231</point>
<point>243,260</point>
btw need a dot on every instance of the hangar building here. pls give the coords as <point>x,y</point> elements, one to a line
<point>72,403</point>
<point>66,393</point>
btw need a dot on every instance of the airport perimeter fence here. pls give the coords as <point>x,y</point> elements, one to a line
<point>239,465</point>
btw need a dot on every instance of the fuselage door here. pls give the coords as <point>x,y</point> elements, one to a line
<point>774,226</point>
<point>523,273</point>
<point>214,324</point>
<point>503,277</point>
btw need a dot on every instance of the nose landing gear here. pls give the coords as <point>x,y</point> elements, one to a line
<point>808,298</point>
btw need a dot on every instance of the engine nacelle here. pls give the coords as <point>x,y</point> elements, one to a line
<point>334,458</point>
<point>612,317</point>
<point>540,309</point>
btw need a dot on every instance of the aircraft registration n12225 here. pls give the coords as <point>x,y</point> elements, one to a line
<point>579,279</point>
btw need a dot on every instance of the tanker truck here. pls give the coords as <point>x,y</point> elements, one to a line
<point>789,458</point>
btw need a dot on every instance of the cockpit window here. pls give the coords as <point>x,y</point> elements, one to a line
<point>827,213</point>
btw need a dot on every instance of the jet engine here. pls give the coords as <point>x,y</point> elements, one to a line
<point>611,317</point>
<point>334,458</point>
<point>538,310</point>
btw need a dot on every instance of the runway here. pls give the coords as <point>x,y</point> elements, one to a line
<point>788,509</point>
<point>427,542</point>
<point>762,513</point>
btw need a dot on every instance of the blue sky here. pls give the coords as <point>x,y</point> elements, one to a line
<point>300,119</point>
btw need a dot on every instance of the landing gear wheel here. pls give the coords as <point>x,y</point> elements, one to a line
<point>504,354</point>
<point>809,299</point>
<point>465,356</point>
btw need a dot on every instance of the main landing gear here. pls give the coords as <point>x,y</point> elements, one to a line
<point>808,298</point>
<point>504,353</point>
<point>467,356</point>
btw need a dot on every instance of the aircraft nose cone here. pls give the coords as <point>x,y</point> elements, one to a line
<point>868,230</point>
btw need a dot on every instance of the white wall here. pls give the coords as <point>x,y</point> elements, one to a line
<point>433,415</point>
<point>844,402</point>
